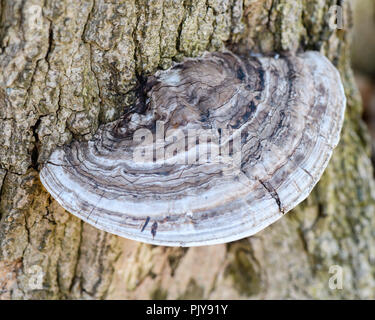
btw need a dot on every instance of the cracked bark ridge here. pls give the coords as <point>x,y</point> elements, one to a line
<point>288,112</point>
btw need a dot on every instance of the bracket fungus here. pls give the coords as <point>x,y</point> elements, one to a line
<point>215,149</point>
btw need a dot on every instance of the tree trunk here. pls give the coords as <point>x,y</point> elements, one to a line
<point>68,66</point>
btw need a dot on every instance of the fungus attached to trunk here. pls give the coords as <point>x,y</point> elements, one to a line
<point>218,148</point>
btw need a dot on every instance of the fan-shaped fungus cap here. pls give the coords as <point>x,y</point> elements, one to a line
<point>219,148</point>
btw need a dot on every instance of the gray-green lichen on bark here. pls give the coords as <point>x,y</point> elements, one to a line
<point>68,66</point>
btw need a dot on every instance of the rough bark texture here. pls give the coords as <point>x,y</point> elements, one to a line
<point>67,66</point>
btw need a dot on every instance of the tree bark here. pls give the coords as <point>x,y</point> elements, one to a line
<point>68,66</point>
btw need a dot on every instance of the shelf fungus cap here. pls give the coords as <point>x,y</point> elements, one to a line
<point>215,149</point>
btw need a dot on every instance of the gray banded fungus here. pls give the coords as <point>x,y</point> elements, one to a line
<point>215,149</point>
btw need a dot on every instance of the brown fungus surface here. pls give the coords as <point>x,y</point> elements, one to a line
<point>215,149</point>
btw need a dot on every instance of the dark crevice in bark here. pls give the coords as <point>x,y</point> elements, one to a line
<point>2,188</point>
<point>179,29</point>
<point>35,151</point>
<point>175,258</point>
<point>77,278</point>
<point>50,42</point>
